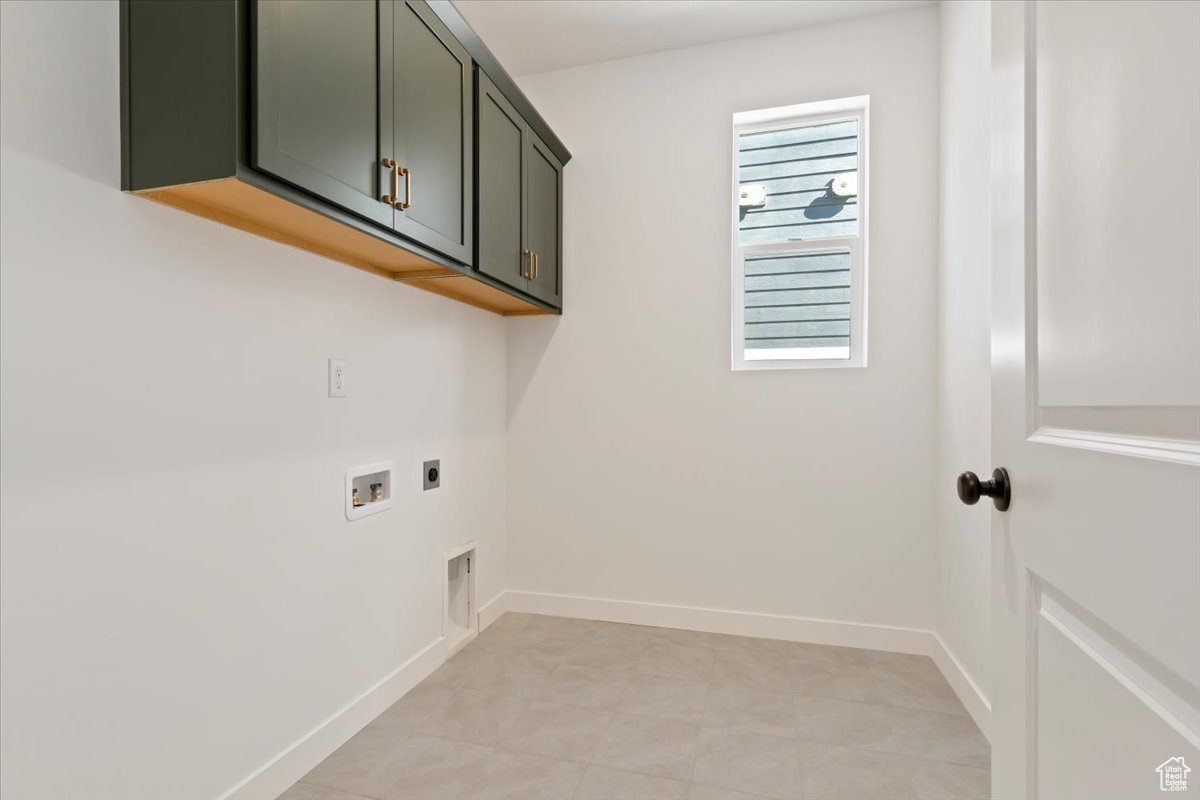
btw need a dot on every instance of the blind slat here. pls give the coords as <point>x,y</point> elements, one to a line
<point>807,133</point>
<point>790,169</point>
<point>797,280</point>
<point>800,152</point>
<point>820,341</point>
<point>797,313</point>
<point>795,296</point>
<point>804,232</point>
<point>814,182</point>
<point>798,262</point>
<point>796,330</point>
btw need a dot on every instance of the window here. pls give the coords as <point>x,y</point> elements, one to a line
<point>800,236</point>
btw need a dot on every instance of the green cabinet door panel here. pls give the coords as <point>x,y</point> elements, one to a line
<point>543,218</point>
<point>318,104</point>
<point>432,130</point>
<point>501,156</point>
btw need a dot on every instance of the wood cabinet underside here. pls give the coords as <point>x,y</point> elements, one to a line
<point>240,205</point>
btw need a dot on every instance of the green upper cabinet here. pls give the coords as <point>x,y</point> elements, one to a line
<point>543,218</point>
<point>500,144</point>
<point>380,133</point>
<point>368,104</point>
<point>431,131</point>
<point>319,107</point>
<point>519,186</point>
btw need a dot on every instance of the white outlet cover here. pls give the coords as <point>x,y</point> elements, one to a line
<point>337,377</point>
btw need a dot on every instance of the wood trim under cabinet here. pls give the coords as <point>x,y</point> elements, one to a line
<point>240,205</point>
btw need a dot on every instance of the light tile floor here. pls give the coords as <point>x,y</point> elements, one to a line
<point>555,708</point>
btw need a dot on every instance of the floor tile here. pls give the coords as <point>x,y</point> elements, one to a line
<point>513,678</point>
<point>451,675</point>
<point>621,632</point>
<point>900,662</point>
<point>753,710</point>
<point>308,791</point>
<point>602,653</point>
<point>550,707</point>
<point>840,722</point>
<point>671,660</point>
<point>408,713</point>
<point>559,645</point>
<point>935,736</point>
<point>843,773</point>
<point>756,670</point>
<point>585,686</point>
<point>702,639</point>
<point>474,716</point>
<point>843,681</point>
<point>569,625</point>
<point>507,638</point>
<point>670,698</point>
<point>748,762</point>
<point>411,768</point>
<point>601,783</point>
<point>552,729</point>
<point>515,621</point>
<point>704,792</point>
<point>753,645</point>
<point>830,655</point>
<point>935,780</point>
<point>921,687</point>
<point>521,776</point>
<point>350,768</point>
<point>649,745</point>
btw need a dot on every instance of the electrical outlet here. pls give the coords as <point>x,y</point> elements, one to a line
<point>433,474</point>
<point>337,377</point>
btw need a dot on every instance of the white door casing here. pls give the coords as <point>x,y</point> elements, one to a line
<point>1096,397</point>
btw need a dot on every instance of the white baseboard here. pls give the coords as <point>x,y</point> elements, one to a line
<point>274,777</point>
<point>713,620</point>
<point>490,611</point>
<point>976,702</point>
<point>768,626</point>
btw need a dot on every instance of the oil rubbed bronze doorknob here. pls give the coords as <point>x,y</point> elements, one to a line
<point>970,488</point>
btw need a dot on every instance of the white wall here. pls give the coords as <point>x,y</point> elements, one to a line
<point>964,354</point>
<point>641,468</point>
<point>182,597</point>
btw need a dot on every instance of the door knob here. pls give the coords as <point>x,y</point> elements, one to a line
<point>999,488</point>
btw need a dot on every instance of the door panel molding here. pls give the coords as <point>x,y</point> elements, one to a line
<point>1100,427</point>
<point>1150,681</point>
<point>1176,451</point>
<point>1087,663</point>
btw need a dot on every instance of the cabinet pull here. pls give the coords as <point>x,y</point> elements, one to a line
<point>407,187</point>
<point>533,277</point>
<point>528,274</point>
<point>395,170</point>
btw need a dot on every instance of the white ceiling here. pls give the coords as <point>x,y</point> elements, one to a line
<point>530,36</point>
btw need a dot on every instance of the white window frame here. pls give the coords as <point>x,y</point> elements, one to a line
<point>850,108</point>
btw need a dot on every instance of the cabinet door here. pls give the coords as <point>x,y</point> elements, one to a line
<point>500,163</point>
<point>543,219</point>
<point>432,126</point>
<point>317,100</point>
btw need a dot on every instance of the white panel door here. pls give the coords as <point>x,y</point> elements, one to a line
<point>1096,398</point>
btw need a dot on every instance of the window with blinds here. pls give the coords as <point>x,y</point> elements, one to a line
<point>799,267</point>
